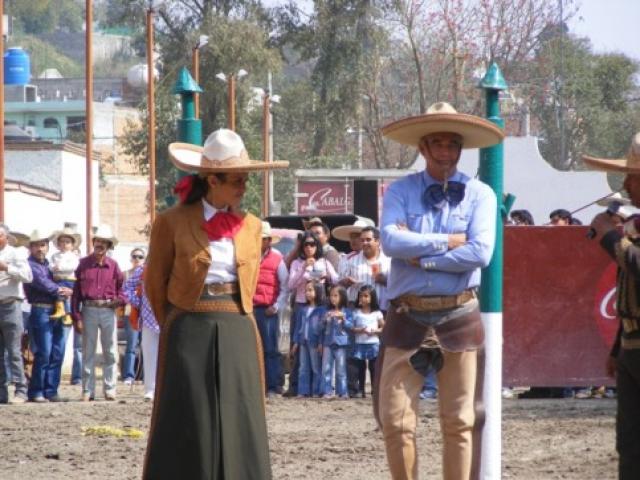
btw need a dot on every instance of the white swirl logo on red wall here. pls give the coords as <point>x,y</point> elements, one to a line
<point>605,305</point>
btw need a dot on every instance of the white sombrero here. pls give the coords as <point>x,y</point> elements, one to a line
<point>266,233</point>
<point>38,236</point>
<point>629,164</point>
<point>616,197</point>
<point>104,232</point>
<point>67,232</point>
<point>440,118</point>
<point>343,232</point>
<point>223,151</point>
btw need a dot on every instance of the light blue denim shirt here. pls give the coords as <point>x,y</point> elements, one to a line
<point>443,271</point>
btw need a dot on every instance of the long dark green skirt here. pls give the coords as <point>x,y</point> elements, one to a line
<point>208,420</point>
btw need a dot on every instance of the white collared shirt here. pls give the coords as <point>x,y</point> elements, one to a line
<point>18,271</point>
<point>223,253</point>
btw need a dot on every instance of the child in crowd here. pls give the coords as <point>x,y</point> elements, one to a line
<point>307,340</point>
<point>367,325</point>
<point>63,266</point>
<point>335,325</point>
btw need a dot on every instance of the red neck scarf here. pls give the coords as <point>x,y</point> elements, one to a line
<point>222,225</point>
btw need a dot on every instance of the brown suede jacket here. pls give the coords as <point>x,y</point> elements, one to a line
<point>179,259</point>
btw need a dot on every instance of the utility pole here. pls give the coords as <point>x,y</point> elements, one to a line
<point>89,120</point>
<point>151,121</point>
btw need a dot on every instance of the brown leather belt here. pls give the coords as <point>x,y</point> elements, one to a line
<point>215,289</point>
<point>100,303</point>
<point>216,305</point>
<point>433,303</point>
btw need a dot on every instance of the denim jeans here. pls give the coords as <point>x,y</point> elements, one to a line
<point>338,355</point>
<point>309,375</point>
<point>269,327</point>
<point>76,369</point>
<point>430,382</point>
<point>12,370</point>
<point>129,361</point>
<point>49,339</point>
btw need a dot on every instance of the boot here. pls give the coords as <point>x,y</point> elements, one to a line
<point>59,310</point>
<point>66,320</point>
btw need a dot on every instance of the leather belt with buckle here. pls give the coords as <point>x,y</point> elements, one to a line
<point>100,303</point>
<point>433,303</point>
<point>215,289</point>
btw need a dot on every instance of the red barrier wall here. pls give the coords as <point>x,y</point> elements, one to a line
<point>559,318</point>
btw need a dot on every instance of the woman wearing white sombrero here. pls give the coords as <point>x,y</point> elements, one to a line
<point>623,362</point>
<point>208,418</point>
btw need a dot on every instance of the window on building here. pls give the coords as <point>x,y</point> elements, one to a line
<point>51,123</point>
<point>76,124</point>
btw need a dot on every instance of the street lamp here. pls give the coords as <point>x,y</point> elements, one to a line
<point>231,83</point>
<point>267,142</point>
<point>202,41</point>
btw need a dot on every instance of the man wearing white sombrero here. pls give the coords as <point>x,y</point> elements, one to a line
<point>624,359</point>
<point>96,295</point>
<point>439,228</point>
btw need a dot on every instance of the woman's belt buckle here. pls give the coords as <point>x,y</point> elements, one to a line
<point>216,289</point>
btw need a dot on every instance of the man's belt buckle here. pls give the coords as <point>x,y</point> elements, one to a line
<point>215,289</point>
<point>435,303</point>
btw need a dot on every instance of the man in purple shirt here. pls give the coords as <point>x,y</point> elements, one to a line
<point>48,335</point>
<point>96,295</point>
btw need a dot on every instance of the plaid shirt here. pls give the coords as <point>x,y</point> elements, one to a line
<point>140,301</point>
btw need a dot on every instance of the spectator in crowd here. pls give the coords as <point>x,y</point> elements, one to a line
<point>307,340</point>
<point>142,319</point>
<point>335,325</point>
<point>269,299</point>
<point>351,234</point>
<point>321,231</point>
<point>96,295</point>
<point>48,334</point>
<point>63,265</point>
<point>560,217</point>
<point>429,387</point>
<point>201,278</point>
<point>439,227</point>
<point>624,359</point>
<point>14,271</point>
<point>367,325</point>
<point>132,335</point>
<point>522,217</point>
<point>310,264</point>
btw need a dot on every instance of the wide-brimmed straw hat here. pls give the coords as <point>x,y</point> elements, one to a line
<point>104,232</point>
<point>67,232</point>
<point>616,197</point>
<point>223,151</point>
<point>343,232</point>
<point>38,236</point>
<point>17,239</point>
<point>443,118</point>
<point>629,164</point>
<point>266,233</point>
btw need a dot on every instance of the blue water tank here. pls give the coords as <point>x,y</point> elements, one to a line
<point>17,67</point>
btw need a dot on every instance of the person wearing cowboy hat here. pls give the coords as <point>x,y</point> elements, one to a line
<point>438,226</point>
<point>623,362</point>
<point>63,265</point>
<point>14,272</point>
<point>48,335</point>
<point>97,294</point>
<point>269,299</point>
<point>202,272</point>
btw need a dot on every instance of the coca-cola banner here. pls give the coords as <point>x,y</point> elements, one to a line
<point>319,198</point>
<point>559,307</point>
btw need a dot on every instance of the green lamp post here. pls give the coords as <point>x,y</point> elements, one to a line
<point>189,127</point>
<point>491,172</point>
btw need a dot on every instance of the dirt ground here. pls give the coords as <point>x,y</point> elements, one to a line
<point>310,439</point>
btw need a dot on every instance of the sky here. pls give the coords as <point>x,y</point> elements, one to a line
<point>612,25</point>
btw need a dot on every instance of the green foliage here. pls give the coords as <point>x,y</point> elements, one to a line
<point>588,94</point>
<point>44,56</point>
<point>46,16</point>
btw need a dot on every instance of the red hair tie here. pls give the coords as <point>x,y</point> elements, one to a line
<point>183,188</point>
